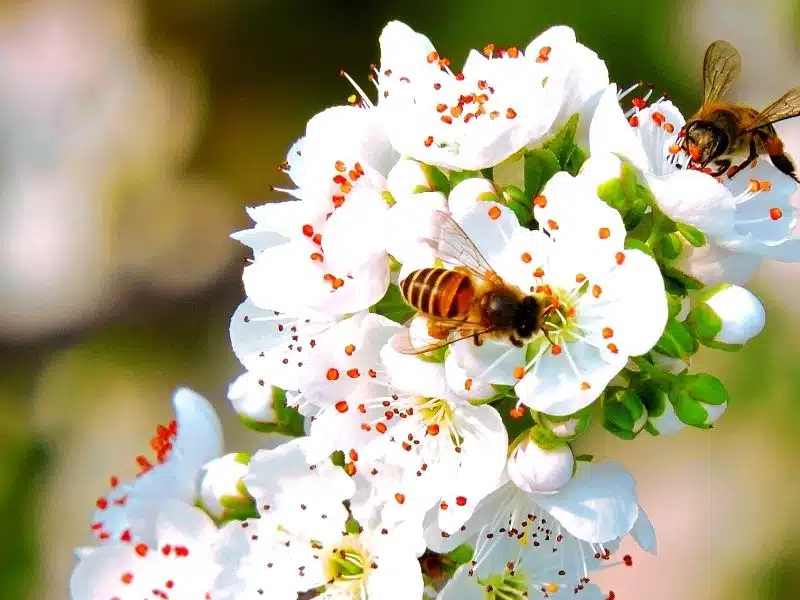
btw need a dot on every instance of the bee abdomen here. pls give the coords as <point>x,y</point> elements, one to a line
<point>438,292</point>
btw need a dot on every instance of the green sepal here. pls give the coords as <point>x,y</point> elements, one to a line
<point>540,165</point>
<point>392,306</point>
<point>457,177</point>
<point>437,180</point>
<point>676,341</point>
<point>461,554</point>
<point>584,458</point>
<point>287,420</point>
<point>514,198</point>
<point>670,247</point>
<point>690,411</point>
<point>488,197</point>
<point>723,346</point>
<point>703,322</point>
<point>691,234</point>
<point>704,387</point>
<point>634,244</point>
<point>501,392</point>
<point>624,414</point>
<point>655,399</point>
<point>687,281</point>
<point>488,173</point>
<point>674,305</point>
<point>563,142</point>
<point>544,438</point>
<point>575,161</point>
<point>582,417</point>
<point>436,355</point>
<point>243,458</point>
<point>707,293</point>
<point>611,192</point>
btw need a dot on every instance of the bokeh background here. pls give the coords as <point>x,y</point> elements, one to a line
<point>133,134</point>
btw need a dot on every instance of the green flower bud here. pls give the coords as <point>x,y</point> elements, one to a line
<point>730,315</point>
<point>539,470</point>
<point>568,427</point>
<point>221,491</point>
<point>699,399</point>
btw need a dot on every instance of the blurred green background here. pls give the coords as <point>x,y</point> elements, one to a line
<point>133,134</point>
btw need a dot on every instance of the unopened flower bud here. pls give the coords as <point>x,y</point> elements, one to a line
<point>661,417</point>
<point>410,177</point>
<point>538,471</point>
<point>731,315</point>
<point>468,193</point>
<point>699,400</point>
<point>625,415</point>
<point>221,490</point>
<point>253,398</point>
<point>568,427</point>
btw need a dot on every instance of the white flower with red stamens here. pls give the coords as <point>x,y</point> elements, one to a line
<point>385,408</point>
<point>749,213</point>
<point>605,303</point>
<point>322,252</point>
<point>128,512</point>
<point>300,542</point>
<point>178,564</point>
<point>547,543</point>
<point>499,104</point>
<point>274,346</point>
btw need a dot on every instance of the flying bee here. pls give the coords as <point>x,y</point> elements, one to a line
<point>469,300</point>
<point>721,130</point>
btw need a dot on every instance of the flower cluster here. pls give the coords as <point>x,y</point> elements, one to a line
<point>472,271</point>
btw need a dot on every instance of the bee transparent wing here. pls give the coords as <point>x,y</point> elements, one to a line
<point>721,66</point>
<point>785,107</point>
<point>402,343</point>
<point>452,245</point>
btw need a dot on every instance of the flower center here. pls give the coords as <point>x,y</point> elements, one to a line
<point>437,416</point>
<point>347,564</point>
<point>505,586</point>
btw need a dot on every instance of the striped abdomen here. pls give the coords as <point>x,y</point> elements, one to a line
<point>439,292</point>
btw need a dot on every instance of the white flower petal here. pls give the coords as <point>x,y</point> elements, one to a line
<point>287,488</point>
<point>181,524</point>
<point>713,264</point>
<point>398,574</point>
<point>611,132</point>
<point>741,312</point>
<point>264,343</point>
<point>695,198</point>
<point>353,235</point>
<point>413,375</point>
<point>490,226</point>
<point>539,471</point>
<point>406,222</point>
<point>199,437</point>
<point>252,397</point>
<point>467,193</point>
<point>493,362</point>
<point>598,505</point>
<point>644,533</point>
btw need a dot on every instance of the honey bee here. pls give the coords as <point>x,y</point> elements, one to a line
<point>722,129</point>
<point>469,300</point>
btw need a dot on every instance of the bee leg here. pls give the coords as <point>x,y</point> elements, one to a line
<point>750,158</point>
<point>515,342</point>
<point>438,332</point>
<point>476,339</point>
<point>723,165</point>
<point>785,165</point>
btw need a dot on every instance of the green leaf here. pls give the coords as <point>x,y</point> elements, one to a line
<point>576,159</point>
<point>675,304</point>
<point>691,234</point>
<point>690,411</point>
<point>562,143</point>
<point>703,322</point>
<point>540,165</point>
<point>392,306</point>
<point>704,387</point>
<point>461,554</point>
<point>676,341</point>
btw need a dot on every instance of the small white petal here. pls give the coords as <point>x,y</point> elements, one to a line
<point>539,471</point>
<point>467,193</point>
<point>742,314</point>
<point>611,132</point>
<point>644,533</point>
<point>598,505</point>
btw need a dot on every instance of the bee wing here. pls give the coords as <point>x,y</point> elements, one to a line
<point>402,343</point>
<point>721,66</point>
<point>452,245</point>
<point>785,107</point>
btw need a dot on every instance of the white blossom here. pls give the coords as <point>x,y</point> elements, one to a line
<point>128,511</point>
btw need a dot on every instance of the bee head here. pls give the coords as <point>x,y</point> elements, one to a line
<point>528,317</point>
<point>704,142</point>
